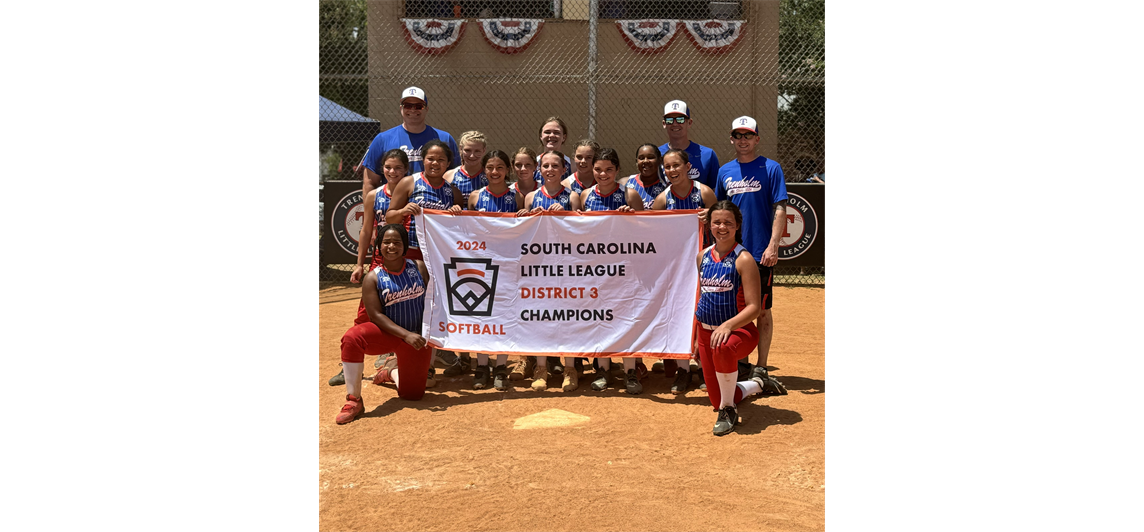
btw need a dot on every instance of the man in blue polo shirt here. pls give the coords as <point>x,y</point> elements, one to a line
<point>755,184</point>
<point>677,123</point>
<point>409,137</point>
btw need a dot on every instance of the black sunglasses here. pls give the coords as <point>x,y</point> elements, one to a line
<point>417,106</point>
<point>737,135</point>
<point>677,119</point>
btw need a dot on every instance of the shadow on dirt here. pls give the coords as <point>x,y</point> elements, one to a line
<point>754,411</point>
<point>802,384</point>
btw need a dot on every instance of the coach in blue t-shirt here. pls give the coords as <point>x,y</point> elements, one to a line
<point>409,137</point>
<point>755,184</point>
<point>677,123</point>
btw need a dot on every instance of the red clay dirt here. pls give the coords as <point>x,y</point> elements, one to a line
<point>453,460</point>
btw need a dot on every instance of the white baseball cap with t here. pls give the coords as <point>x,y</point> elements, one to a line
<point>676,107</point>
<point>745,123</point>
<point>415,93</point>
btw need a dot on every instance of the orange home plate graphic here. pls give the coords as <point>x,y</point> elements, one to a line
<point>553,417</point>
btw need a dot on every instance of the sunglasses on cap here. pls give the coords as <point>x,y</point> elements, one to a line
<point>677,119</point>
<point>738,135</point>
<point>417,106</point>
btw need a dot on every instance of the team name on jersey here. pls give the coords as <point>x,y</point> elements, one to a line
<point>748,184</point>
<point>431,198</point>
<point>428,203</point>
<point>718,284</point>
<point>414,155</point>
<point>405,294</point>
<point>721,288</point>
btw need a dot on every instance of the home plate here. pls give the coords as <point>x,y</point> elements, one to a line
<point>553,417</point>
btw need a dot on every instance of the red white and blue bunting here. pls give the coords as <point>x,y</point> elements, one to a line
<point>433,36</point>
<point>648,36</point>
<point>510,35</point>
<point>714,36</point>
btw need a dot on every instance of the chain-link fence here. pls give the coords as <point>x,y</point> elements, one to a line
<point>605,67</point>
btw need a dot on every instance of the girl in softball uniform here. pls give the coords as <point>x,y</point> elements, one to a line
<point>585,156</point>
<point>467,178</point>
<point>394,165</point>
<point>646,184</point>
<point>552,195</point>
<point>424,190</point>
<point>394,295</point>
<point>608,195</point>
<point>729,302</point>
<point>496,197</point>
<point>682,194</point>
<point>525,167</point>
<point>470,175</point>
<point>553,134</point>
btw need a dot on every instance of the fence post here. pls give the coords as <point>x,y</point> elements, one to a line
<point>593,22</point>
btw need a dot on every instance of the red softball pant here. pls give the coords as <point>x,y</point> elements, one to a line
<point>725,358</point>
<point>367,339</point>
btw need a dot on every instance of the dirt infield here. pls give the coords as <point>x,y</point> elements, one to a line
<point>454,461</point>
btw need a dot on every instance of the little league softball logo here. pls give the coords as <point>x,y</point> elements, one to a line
<point>801,229</point>
<point>471,285</point>
<point>347,220</point>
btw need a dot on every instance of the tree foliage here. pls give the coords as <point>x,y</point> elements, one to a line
<point>342,57</point>
<point>802,39</point>
<point>802,65</point>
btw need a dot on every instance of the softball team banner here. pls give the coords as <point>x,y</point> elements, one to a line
<point>585,284</point>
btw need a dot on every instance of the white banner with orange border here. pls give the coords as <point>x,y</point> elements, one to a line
<point>594,284</point>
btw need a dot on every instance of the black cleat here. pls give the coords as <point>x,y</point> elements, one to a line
<point>481,378</point>
<point>744,371</point>
<point>682,381</point>
<point>633,386</point>
<point>601,382</point>
<point>725,424</point>
<point>500,378</point>
<point>339,379</point>
<point>771,385</point>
